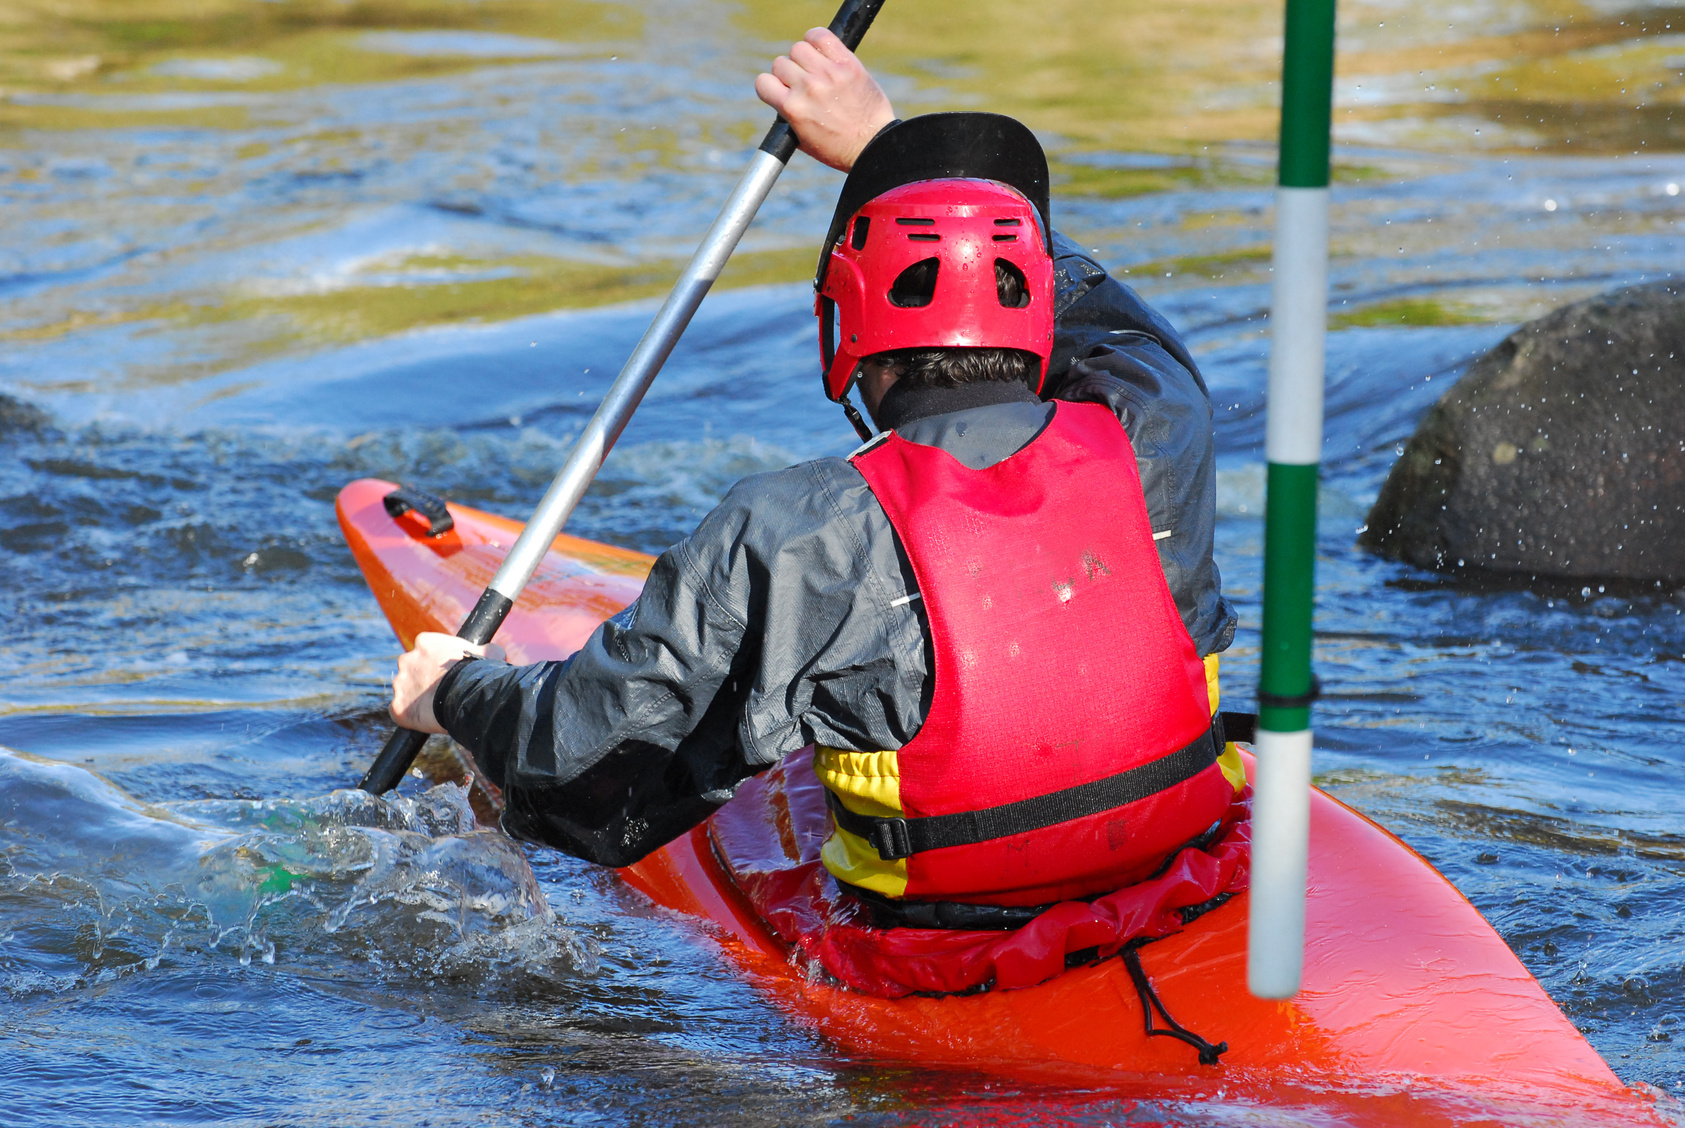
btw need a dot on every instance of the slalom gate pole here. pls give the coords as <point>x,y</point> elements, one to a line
<point>1293,448</point>
<point>623,397</point>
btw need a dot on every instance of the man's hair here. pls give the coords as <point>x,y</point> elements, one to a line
<point>951,367</point>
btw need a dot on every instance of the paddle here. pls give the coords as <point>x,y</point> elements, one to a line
<point>623,397</point>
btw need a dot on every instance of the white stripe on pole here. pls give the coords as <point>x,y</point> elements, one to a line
<point>1298,323</point>
<point>1280,844</point>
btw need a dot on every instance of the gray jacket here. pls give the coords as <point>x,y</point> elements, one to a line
<point>782,621</point>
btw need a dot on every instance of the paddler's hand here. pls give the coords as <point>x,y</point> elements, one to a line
<point>420,670</point>
<point>828,96</point>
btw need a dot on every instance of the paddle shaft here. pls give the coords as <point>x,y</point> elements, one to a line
<point>623,397</point>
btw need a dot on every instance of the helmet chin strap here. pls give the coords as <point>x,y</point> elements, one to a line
<point>865,432</point>
<point>859,421</point>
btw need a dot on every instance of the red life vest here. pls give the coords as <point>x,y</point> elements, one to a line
<point>1068,750</point>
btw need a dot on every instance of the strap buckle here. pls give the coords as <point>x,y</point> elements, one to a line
<point>890,838</point>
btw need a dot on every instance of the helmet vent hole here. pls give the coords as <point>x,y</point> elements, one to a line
<point>1008,222</point>
<point>915,286</point>
<point>1006,238</point>
<point>861,226</point>
<point>915,221</point>
<point>1010,285</point>
<point>924,237</point>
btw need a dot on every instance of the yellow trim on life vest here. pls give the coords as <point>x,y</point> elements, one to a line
<point>867,783</point>
<point>1233,770</point>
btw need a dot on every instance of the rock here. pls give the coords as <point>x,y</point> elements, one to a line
<point>16,415</point>
<point>1560,454</point>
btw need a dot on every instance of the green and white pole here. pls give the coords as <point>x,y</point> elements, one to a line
<point>1293,446</point>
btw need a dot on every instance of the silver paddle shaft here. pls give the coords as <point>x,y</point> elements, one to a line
<point>395,757</point>
<point>612,415</point>
<point>599,436</point>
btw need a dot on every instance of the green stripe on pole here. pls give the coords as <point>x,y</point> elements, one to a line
<point>1275,946</point>
<point>1289,586</point>
<point>1307,79</point>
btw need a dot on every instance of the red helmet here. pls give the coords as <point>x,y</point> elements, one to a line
<point>922,266</point>
<point>936,209</point>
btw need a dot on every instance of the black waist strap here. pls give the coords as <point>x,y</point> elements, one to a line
<point>1239,726</point>
<point>902,837</point>
<point>894,912</point>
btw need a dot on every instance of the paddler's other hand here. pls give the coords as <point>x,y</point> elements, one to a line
<point>419,672</point>
<point>828,96</point>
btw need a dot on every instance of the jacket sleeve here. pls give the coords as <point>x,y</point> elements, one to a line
<point>1110,347</point>
<point>633,740</point>
<point>772,626</point>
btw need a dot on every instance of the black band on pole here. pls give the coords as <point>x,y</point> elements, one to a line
<point>1292,700</point>
<point>849,25</point>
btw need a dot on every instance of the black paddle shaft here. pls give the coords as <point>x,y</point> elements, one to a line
<point>402,747</point>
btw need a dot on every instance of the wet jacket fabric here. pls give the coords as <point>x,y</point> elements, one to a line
<point>782,621</point>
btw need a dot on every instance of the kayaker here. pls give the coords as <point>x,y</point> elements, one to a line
<point>998,621</point>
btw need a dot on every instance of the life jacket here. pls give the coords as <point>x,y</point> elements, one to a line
<point>1069,749</point>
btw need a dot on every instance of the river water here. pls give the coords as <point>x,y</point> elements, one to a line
<point>254,250</point>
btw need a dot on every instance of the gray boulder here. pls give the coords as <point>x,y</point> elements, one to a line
<point>16,415</point>
<point>1560,454</point>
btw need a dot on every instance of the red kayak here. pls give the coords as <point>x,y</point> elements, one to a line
<point>1413,1010</point>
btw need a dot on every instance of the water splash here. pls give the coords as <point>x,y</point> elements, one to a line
<point>96,885</point>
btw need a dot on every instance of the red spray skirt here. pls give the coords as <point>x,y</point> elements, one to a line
<point>769,837</point>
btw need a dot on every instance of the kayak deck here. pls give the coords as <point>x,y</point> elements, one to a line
<point>1413,1010</point>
